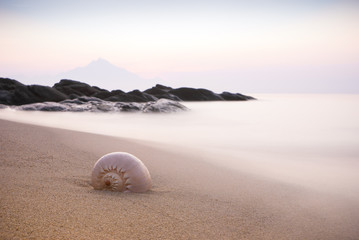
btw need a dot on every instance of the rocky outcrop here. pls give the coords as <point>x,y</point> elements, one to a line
<point>193,94</point>
<point>13,92</point>
<point>92,104</point>
<point>75,89</point>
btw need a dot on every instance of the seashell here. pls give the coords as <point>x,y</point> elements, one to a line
<point>120,171</point>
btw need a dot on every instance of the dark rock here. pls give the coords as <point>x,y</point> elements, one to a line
<point>73,96</point>
<point>106,94</point>
<point>116,92</point>
<point>155,91</point>
<point>193,94</point>
<point>75,87</point>
<point>103,95</point>
<point>160,91</point>
<point>48,94</point>
<point>165,88</point>
<point>235,96</point>
<point>14,93</point>
<point>6,97</point>
<point>142,96</point>
<point>123,97</point>
<point>9,84</point>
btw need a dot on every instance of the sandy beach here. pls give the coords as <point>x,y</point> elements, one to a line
<point>45,193</point>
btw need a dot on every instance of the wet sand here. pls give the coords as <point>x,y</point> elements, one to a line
<point>45,193</point>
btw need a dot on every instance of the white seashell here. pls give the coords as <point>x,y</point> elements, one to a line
<point>120,171</point>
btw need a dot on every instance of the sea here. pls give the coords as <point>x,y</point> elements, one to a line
<point>307,140</point>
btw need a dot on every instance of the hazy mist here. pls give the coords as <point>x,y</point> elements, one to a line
<point>307,140</point>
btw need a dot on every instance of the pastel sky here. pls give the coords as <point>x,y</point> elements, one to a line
<point>310,45</point>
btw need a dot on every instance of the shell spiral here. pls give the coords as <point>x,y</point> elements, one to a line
<point>120,171</point>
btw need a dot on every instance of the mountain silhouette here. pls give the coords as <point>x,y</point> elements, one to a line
<point>104,74</point>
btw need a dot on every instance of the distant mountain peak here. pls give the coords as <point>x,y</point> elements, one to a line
<point>102,73</point>
<point>100,59</point>
<point>100,62</point>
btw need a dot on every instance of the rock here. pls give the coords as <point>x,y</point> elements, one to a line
<point>48,94</point>
<point>89,99</point>
<point>106,94</point>
<point>72,101</point>
<point>142,96</point>
<point>133,96</point>
<point>235,96</point>
<point>163,106</point>
<point>193,94</point>
<point>155,91</point>
<point>77,105</point>
<point>84,107</point>
<point>123,97</point>
<point>76,88</point>
<point>103,107</point>
<point>2,106</point>
<point>14,93</point>
<point>9,84</point>
<point>45,106</point>
<point>169,96</point>
<point>161,91</point>
<point>158,89</point>
<point>6,97</point>
<point>129,107</point>
<point>165,88</point>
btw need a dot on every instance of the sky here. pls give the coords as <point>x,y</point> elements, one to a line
<point>256,46</point>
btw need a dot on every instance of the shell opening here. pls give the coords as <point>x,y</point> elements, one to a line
<point>114,181</point>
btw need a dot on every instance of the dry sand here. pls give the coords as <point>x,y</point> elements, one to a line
<point>45,194</point>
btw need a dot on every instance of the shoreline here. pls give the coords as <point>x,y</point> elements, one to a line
<point>45,193</point>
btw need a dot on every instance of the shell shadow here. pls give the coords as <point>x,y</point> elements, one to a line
<point>85,182</point>
<point>153,191</point>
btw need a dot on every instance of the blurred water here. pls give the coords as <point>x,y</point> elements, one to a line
<point>309,140</point>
